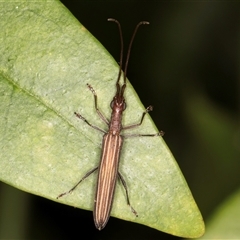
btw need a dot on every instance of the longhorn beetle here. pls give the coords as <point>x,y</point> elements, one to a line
<point>112,143</point>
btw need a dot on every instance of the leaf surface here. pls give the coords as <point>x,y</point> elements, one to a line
<point>224,224</point>
<point>47,58</point>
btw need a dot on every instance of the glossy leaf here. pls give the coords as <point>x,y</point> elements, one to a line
<point>47,58</point>
<point>224,224</point>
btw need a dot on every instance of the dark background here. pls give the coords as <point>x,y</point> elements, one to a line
<point>186,64</point>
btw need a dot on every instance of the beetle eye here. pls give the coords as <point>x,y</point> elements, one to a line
<point>124,106</point>
<point>112,104</point>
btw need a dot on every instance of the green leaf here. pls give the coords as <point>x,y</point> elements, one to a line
<point>224,224</point>
<point>47,58</point>
<point>213,125</point>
